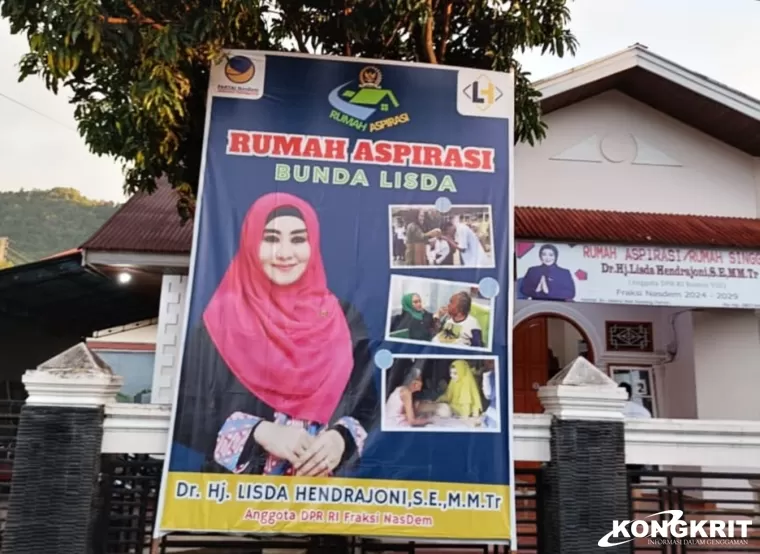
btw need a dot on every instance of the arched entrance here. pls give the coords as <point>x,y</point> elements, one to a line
<point>542,345</point>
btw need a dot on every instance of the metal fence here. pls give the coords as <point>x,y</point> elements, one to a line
<point>10,412</point>
<point>699,496</point>
<point>128,497</point>
<point>126,503</point>
<point>529,490</point>
<point>129,485</point>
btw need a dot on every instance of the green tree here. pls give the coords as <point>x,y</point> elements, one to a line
<point>138,69</point>
<point>41,223</point>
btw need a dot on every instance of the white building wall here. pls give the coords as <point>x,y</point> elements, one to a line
<point>170,321</point>
<point>677,384</point>
<point>727,364</point>
<point>673,376</point>
<point>727,375</point>
<point>611,152</point>
<point>563,340</point>
<point>706,363</point>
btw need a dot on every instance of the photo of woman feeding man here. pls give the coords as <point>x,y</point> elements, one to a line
<point>277,376</point>
<point>441,394</point>
<point>444,313</point>
<point>423,237</point>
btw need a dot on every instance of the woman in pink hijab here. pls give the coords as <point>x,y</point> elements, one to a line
<point>277,377</point>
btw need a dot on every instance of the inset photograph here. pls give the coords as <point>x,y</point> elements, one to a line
<point>421,236</point>
<point>442,394</point>
<point>540,277</point>
<point>444,313</point>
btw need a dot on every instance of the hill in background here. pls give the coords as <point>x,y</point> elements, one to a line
<point>40,223</point>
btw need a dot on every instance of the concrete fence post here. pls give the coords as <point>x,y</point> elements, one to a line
<point>57,458</point>
<point>586,478</point>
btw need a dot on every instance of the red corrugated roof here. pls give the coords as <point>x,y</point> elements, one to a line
<point>636,228</point>
<point>146,223</point>
<point>150,224</point>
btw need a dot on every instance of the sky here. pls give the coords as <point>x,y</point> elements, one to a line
<point>717,39</point>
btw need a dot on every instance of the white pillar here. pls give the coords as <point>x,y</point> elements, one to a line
<point>76,377</point>
<point>726,367</point>
<point>586,479</point>
<point>727,378</point>
<point>583,392</point>
<point>171,317</point>
<point>57,456</point>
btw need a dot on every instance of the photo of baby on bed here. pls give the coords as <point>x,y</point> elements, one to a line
<point>441,394</point>
<point>444,313</point>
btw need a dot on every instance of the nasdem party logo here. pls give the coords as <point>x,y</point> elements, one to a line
<point>365,105</point>
<point>239,70</point>
<point>483,93</point>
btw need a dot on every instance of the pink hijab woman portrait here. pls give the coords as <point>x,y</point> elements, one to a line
<point>277,376</point>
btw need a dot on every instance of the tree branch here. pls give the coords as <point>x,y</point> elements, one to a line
<point>135,10</point>
<point>114,20</point>
<point>446,31</point>
<point>299,39</point>
<point>290,19</point>
<point>346,12</point>
<point>428,46</point>
<point>139,18</point>
<point>400,23</point>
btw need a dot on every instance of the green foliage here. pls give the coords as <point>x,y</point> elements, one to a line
<point>41,223</point>
<point>139,68</point>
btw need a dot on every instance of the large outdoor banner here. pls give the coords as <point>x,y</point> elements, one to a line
<point>644,275</point>
<point>345,365</point>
